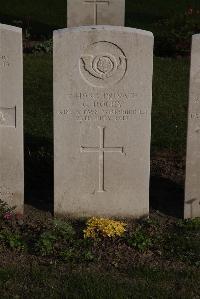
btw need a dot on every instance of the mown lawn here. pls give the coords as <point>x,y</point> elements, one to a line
<point>38,96</point>
<point>170,101</point>
<point>61,282</point>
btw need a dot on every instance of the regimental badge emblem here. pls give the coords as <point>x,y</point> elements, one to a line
<point>103,64</point>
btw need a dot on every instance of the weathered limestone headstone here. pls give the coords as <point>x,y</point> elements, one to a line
<point>192,184</point>
<point>102,120</point>
<point>11,117</point>
<point>95,12</point>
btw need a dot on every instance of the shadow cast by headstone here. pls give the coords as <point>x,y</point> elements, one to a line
<point>37,30</point>
<point>167,197</point>
<point>38,164</point>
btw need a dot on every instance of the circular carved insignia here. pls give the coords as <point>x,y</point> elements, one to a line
<point>103,64</point>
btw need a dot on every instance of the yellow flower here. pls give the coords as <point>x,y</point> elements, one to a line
<point>98,227</point>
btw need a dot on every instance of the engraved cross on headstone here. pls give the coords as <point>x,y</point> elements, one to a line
<point>101,150</point>
<point>95,3</point>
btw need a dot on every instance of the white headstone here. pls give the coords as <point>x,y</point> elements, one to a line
<point>11,117</point>
<point>192,183</point>
<point>102,120</point>
<point>95,12</point>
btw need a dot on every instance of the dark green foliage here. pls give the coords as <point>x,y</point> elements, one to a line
<point>43,47</point>
<point>12,240</point>
<point>5,209</point>
<point>63,229</point>
<point>61,241</point>
<point>140,240</point>
<point>189,224</point>
<point>45,244</point>
<point>75,254</point>
<point>53,240</point>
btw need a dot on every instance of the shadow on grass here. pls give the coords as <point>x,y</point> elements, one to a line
<point>38,164</point>
<point>37,30</point>
<point>166,197</point>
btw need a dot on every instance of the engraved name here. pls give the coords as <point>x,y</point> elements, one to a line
<point>103,106</point>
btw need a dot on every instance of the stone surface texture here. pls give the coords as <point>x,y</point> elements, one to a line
<point>11,117</point>
<point>192,183</point>
<point>95,12</point>
<point>102,121</point>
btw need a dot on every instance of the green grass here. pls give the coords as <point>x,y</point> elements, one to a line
<point>170,96</point>
<point>170,101</point>
<point>144,13</point>
<point>38,96</point>
<point>44,16</point>
<point>49,12</point>
<point>54,282</point>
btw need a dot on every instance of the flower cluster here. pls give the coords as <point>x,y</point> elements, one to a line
<point>102,227</point>
<point>13,217</point>
<point>8,216</point>
<point>192,11</point>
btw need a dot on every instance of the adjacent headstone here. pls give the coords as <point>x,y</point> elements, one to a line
<point>192,184</point>
<point>102,121</point>
<point>11,117</point>
<point>95,12</point>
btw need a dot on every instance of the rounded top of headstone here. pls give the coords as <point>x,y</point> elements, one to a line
<point>196,36</point>
<point>10,28</point>
<point>105,28</point>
